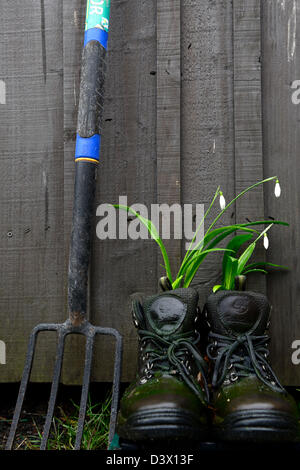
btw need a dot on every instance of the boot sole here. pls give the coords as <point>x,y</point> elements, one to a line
<point>258,426</point>
<point>162,424</point>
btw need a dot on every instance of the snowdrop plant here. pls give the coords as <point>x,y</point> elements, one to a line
<point>234,265</point>
<point>212,239</point>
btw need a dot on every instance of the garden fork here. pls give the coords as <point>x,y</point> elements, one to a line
<point>86,159</point>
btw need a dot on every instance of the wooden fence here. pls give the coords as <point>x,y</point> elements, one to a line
<point>198,93</point>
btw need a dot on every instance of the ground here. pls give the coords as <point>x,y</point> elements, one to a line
<point>34,411</point>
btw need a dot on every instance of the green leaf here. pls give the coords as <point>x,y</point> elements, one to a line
<point>264,265</point>
<point>204,253</point>
<point>245,257</point>
<point>177,282</point>
<point>230,273</point>
<point>193,265</point>
<point>218,235</point>
<point>217,287</point>
<point>235,244</point>
<point>213,233</point>
<point>237,197</point>
<point>204,217</point>
<point>200,244</point>
<point>248,271</point>
<point>216,232</point>
<point>154,234</point>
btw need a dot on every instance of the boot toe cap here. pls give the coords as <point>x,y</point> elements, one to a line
<point>261,401</point>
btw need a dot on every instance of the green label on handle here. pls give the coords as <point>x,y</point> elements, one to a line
<point>97,15</point>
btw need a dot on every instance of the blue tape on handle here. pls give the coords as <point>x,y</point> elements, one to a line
<point>88,148</point>
<point>96,34</point>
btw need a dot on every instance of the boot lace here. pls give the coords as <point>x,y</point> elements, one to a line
<point>245,354</point>
<point>162,353</point>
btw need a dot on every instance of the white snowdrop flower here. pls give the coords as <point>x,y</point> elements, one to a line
<point>277,189</point>
<point>266,241</point>
<point>222,201</point>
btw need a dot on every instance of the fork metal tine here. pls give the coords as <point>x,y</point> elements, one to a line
<point>64,329</point>
<point>54,386</point>
<point>25,380</point>
<point>85,387</point>
<point>116,377</point>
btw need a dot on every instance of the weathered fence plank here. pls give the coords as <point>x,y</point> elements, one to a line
<point>281,67</point>
<point>207,158</point>
<point>168,115</point>
<point>31,177</point>
<point>248,117</point>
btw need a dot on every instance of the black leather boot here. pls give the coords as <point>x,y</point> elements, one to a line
<point>169,396</point>
<point>249,402</point>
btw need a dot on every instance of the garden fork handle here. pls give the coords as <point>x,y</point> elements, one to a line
<point>87,154</point>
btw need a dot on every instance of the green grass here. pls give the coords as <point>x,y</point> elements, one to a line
<point>63,432</point>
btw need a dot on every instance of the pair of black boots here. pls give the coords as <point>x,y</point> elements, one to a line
<point>220,386</point>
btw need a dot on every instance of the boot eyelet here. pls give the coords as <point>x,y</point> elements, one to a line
<point>230,366</point>
<point>233,377</point>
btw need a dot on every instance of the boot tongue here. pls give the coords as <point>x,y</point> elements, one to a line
<point>172,312</point>
<point>236,312</point>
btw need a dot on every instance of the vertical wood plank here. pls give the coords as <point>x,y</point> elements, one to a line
<point>31,179</point>
<point>168,114</point>
<point>248,117</point>
<point>281,67</point>
<point>207,158</point>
